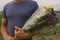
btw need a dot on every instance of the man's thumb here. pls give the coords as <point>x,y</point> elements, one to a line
<point>17,28</point>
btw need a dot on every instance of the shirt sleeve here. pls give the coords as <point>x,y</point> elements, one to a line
<point>4,13</point>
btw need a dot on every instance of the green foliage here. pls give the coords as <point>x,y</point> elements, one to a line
<point>0,25</point>
<point>0,18</point>
<point>57,11</point>
<point>51,31</point>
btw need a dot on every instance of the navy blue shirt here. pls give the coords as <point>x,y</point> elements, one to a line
<point>17,14</point>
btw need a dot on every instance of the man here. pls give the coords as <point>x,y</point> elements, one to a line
<point>15,14</point>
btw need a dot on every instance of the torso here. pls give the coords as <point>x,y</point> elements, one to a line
<point>18,13</point>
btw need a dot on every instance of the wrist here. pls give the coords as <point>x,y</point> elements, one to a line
<point>26,36</point>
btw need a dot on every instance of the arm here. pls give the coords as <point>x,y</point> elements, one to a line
<point>4,23</point>
<point>4,27</point>
<point>4,30</point>
<point>22,35</point>
<point>30,35</point>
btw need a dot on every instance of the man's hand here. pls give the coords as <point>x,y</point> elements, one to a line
<point>21,34</point>
<point>19,31</point>
<point>8,38</point>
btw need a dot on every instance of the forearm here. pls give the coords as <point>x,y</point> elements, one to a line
<point>4,31</point>
<point>4,27</point>
<point>31,34</point>
<point>22,35</point>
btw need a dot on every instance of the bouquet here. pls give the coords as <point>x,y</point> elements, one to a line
<point>40,18</point>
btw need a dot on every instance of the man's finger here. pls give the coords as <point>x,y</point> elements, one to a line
<point>11,38</point>
<point>17,28</point>
<point>17,31</point>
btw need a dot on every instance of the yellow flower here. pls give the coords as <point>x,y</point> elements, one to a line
<point>48,7</point>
